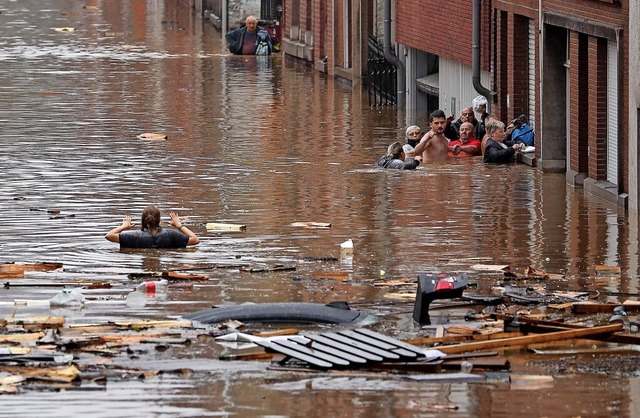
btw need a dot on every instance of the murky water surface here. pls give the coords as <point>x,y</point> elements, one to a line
<point>262,142</point>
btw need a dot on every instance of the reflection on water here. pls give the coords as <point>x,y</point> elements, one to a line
<point>260,141</point>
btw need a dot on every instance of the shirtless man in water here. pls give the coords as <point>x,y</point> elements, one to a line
<point>434,146</point>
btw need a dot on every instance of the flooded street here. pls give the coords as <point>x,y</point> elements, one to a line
<point>263,142</point>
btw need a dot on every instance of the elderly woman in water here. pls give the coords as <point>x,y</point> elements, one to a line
<point>394,158</point>
<point>151,234</point>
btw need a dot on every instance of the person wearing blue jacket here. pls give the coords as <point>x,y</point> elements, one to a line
<point>249,39</point>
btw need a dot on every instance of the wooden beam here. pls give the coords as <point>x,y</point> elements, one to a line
<point>459,338</point>
<point>215,226</point>
<point>531,339</point>
<point>580,308</point>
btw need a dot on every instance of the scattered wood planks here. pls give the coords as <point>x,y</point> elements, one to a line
<point>532,339</point>
<point>16,270</point>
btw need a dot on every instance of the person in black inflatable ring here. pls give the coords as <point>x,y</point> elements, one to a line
<point>151,234</point>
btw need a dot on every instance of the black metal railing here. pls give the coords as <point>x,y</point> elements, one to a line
<point>381,82</point>
<point>270,9</point>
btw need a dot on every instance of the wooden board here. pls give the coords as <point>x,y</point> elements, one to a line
<point>152,136</point>
<point>316,225</point>
<point>16,270</point>
<point>338,275</point>
<point>183,276</point>
<point>225,227</point>
<point>581,308</point>
<point>532,339</point>
<point>459,338</point>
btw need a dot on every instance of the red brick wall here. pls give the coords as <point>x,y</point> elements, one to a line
<point>441,28</point>
<point>597,118</point>
<point>578,102</point>
<point>593,10</point>
<point>501,66</point>
<point>519,74</point>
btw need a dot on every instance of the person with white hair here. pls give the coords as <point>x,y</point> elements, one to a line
<point>497,149</point>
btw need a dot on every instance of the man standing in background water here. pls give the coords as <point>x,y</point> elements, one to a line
<point>250,39</point>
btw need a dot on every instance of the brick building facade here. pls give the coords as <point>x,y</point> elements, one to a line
<point>331,34</point>
<point>564,64</point>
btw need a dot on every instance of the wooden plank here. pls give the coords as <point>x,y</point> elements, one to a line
<point>225,227</point>
<point>581,308</point>
<point>37,322</point>
<point>346,348</point>
<point>183,276</point>
<point>561,306</point>
<point>532,339</point>
<point>297,355</point>
<point>286,331</point>
<point>154,324</point>
<point>17,270</point>
<point>21,337</point>
<point>393,341</point>
<point>602,269</point>
<point>149,136</point>
<point>338,275</point>
<point>362,346</point>
<point>459,338</point>
<point>617,337</point>
<point>318,225</point>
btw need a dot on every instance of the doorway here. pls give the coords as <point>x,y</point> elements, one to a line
<point>555,129</point>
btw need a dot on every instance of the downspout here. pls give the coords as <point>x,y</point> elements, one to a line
<point>477,83</point>
<point>401,76</point>
<point>225,17</point>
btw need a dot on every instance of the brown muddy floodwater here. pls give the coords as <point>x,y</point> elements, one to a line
<point>264,142</point>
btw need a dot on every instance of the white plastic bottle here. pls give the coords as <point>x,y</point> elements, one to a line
<point>153,287</point>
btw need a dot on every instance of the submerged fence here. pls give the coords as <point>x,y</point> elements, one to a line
<point>381,84</point>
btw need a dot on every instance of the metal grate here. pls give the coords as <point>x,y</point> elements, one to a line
<point>343,349</point>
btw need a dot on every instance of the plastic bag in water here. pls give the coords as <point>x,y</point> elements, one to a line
<point>67,297</point>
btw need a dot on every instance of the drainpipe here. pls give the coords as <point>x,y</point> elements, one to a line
<point>477,84</point>
<point>225,17</point>
<point>401,77</point>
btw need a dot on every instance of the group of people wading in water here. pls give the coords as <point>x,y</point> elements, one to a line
<point>464,137</point>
